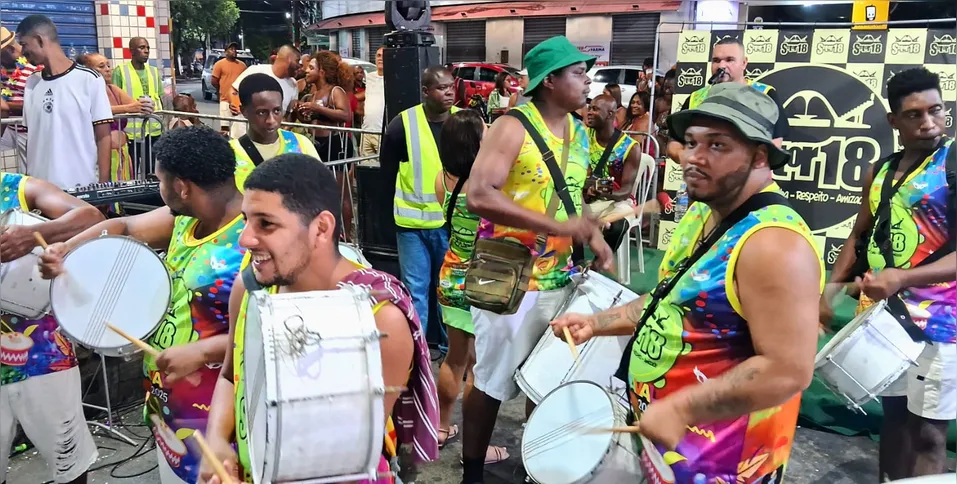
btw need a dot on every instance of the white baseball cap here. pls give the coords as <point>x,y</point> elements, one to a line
<point>523,72</point>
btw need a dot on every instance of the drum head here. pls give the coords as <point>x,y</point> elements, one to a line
<point>115,280</point>
<point>847,331</point>
<point>562,442</point>
<point>352,253</point>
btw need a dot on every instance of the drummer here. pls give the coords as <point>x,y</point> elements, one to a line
<point>920,405</point>
<point>199,230</point>
<point>717,369</point>
<point>292,234</point>
<point>36,361</point>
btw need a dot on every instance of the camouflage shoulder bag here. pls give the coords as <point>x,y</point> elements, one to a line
<point>500,268</point>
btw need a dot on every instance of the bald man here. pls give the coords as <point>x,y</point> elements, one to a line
<point>139,79</point>
<point>283,69</point>
<point>420,221</point>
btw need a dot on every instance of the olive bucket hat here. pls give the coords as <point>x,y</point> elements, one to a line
<point>550,56</point>
<point>753,113</point>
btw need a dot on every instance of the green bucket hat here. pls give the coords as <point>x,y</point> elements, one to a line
<point>753,113</point>
<point>550,56</point>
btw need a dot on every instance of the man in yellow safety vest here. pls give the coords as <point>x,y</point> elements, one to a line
<point>728,57</point>
<point>138,78</point>
<point>410,152</point>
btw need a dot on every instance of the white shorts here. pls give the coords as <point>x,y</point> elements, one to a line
<point>50,410</point>
<point>931,387</point>
<point>503,342</point>
<point>224,112</point>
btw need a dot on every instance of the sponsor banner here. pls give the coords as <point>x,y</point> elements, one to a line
<point>601,50</point>
<point>832,85</point>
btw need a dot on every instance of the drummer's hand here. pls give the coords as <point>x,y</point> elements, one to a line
<point>224,451</point>
<point>16,241</point>
<point>604,257</point>
<point>581,327</point>
<point>51,261</point>
<point>664,423</point>
<point>178,362</point>
<point>882,285</point>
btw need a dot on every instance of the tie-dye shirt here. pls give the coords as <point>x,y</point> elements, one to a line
<point>696,333</point>
<point>529,185</point>
<point>28,347</point>
<point>615,166</point>
<point>919,227</point>
<point>202,272</point>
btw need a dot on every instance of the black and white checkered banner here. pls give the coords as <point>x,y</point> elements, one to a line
<point>832,84</point>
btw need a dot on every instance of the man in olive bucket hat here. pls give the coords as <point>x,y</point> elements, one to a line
<point>511,189</point>
<point>729,348</point>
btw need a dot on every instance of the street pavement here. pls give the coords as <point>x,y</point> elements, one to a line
<point>194,88</point>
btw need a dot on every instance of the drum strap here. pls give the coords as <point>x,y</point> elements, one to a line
<point>249,279</point>
<point>250,149</point>
<point>756,202</point>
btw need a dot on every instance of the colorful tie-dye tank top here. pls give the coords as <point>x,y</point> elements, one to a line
<point>464,224</point>
<point>615,166</point>
<point>530,186</point>
<point>696,333</point>
<point>28,347</point>
<point>202,272</point>
<point>918,228</point>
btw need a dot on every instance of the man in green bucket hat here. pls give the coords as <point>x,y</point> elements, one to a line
<point>512,190</point>
<point>739,317</point>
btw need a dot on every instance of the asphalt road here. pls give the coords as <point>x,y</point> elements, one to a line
<point>194,88</point>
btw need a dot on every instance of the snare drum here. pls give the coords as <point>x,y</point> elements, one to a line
<point>352,252</point>
<point>866,356</point>
<point>111,279</point>
<point>551,364</point>
<point>564,441</point>
<point>314,387</point>
<point>22,291</point>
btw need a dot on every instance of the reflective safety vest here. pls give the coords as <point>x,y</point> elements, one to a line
<point>289,142</point>
<point>133,87</point>
<point>415,205</point>
<point>701,94</point>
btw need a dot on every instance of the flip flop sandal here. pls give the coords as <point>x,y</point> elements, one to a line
<point>500,454</point>
<point>450,433</point>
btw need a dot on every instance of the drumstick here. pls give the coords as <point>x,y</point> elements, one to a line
<point>43,243</point>
<point>571,343</point>
<point>630,429</point>
<point>136,341</point>
<point>211,457</point>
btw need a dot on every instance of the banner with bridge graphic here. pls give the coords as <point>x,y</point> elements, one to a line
<point>832,84</point>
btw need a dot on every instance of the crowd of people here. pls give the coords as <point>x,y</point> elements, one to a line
<point>724,346</point>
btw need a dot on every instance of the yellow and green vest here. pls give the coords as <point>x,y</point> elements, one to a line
<point>289,142</point>
<point>702,94</point>
<point>134,87</point>
<point>416,205</point>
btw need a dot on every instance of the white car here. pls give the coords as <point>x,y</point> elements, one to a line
<point>366,66</point>
<point>625,76</point>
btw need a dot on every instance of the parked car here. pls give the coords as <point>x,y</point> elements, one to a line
<point>366,66</point>
<point>214,56</point>
<point>479,78</point>
<point>625,76</point>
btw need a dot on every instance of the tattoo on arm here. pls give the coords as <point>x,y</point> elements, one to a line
<point>726,398</point>
<point>630,313</point>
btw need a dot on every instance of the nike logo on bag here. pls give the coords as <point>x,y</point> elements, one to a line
<point>483,282</point>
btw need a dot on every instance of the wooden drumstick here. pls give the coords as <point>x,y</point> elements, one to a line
<point>209,455</point>
<point>630,429</point>
<point>571,343</point>
<point>39,238</point>
<point>136,341</point>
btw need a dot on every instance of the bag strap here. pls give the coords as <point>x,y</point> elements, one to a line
<point>613,141</point>
<point>452,199</point>
<point>249,279</point>
<point>250,149</point>
<point>754,203</point>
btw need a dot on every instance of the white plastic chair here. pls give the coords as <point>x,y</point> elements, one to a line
<point>647,171</point>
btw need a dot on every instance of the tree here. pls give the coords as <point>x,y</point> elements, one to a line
<point>194,20</point>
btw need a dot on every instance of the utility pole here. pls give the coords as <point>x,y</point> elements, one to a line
<point>295,22</point>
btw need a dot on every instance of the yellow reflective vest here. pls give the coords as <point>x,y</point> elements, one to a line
<point>133,87</point>
<point>415,205</point>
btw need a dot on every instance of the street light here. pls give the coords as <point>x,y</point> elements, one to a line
<point>288,15</point>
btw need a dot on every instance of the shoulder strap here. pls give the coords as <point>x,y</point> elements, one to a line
<point>251,150</point>
<point>249,279</point>
<point>615,137</point>
<point>452,199</point>
<point>558,177</point>
<point>754,203</point>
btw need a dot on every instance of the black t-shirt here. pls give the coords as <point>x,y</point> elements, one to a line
<point>781,128</point>
<point>392,149</point>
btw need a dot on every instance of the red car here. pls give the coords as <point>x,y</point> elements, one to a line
<point>479,78</point>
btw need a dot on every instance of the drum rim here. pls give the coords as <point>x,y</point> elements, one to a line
<point>117,350</point>
<point>840,339</point>
<point>6,265</point>
<point>611,442</point>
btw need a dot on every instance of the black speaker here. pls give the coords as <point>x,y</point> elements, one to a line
<point>403,67</point>
<point>376,223</point>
